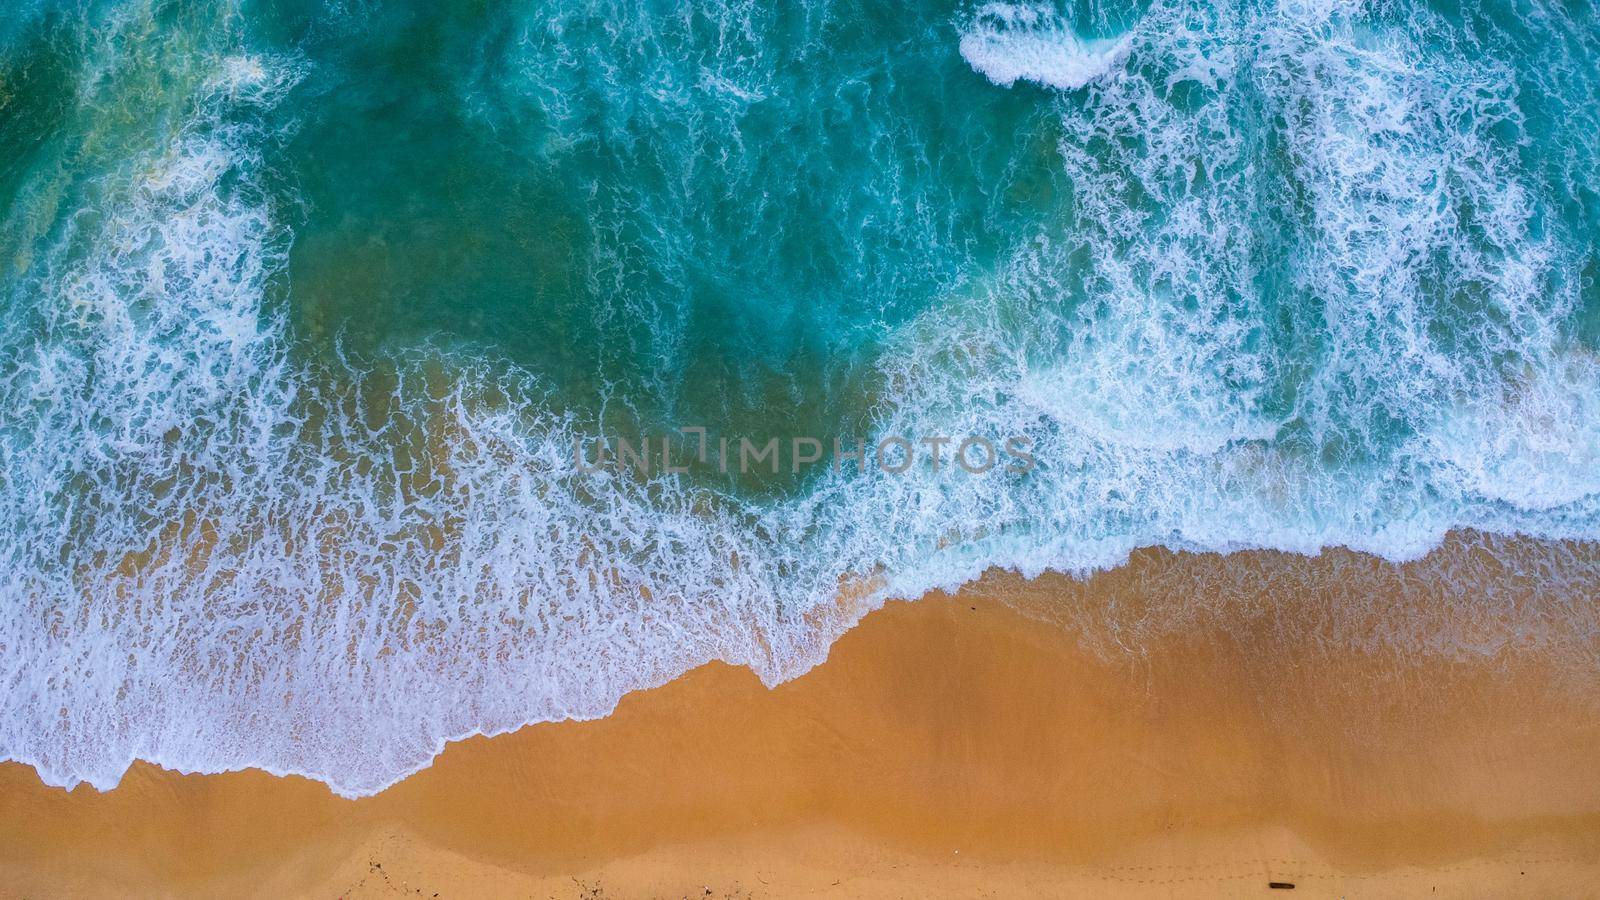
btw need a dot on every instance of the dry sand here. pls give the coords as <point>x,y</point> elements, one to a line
<point>1184,726</point>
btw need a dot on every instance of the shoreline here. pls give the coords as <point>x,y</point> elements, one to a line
<point>1020,737</point>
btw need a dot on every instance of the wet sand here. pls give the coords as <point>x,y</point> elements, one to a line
<point>1183,726</point>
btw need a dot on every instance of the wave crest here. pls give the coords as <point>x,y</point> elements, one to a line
<point>1011,42</point>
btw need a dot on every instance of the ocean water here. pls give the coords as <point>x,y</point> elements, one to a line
<point>305,306</point>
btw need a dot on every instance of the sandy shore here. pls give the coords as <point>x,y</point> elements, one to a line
<point>1184,726</point>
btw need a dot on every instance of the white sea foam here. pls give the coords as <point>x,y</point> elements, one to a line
<point>1008,42</point>
<point>216,557</point>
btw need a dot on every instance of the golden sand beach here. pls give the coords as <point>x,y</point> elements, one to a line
<point>1043,738</point>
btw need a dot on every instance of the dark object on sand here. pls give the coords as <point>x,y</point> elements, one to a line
<point>1281,885</point>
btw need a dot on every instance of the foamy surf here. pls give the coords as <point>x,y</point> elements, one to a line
<point>1305,292</point>
<point>1011,42</point>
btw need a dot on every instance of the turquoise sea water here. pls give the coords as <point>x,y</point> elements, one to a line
<point>305,305</point>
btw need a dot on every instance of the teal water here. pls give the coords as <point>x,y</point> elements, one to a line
<point>304,307</point>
